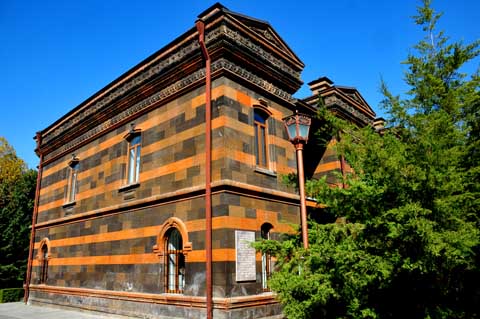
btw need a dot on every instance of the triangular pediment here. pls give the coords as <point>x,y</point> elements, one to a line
<point>354,95</point>
<point>344,100</point>
<point>264,31</point>
<point>351,108</point>
<point>269,35</point>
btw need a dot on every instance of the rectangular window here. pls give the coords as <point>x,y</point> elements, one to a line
<point>261,151</point>
<point>133,168</point>
<point>72,181</point>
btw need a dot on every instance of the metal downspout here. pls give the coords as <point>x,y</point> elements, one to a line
<point>342,163</point>
<point>208,161</point>
<point>34,221</point>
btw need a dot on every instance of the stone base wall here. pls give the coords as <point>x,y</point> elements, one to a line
<point>160,306</point>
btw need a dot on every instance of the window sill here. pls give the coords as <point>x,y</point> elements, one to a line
<point>69,204</point>
<point>128,187</point>
<point>265,171</point>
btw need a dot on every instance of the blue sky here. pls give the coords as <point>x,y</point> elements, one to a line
<point>56,54</point>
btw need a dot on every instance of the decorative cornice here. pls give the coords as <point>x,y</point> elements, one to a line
<point>167,92</point>
<point>254,48</point>
<point>159,67</point>
<point>252,78</point>
<point>156,69</point>
<point>333,100</point>
<point>120,91</point>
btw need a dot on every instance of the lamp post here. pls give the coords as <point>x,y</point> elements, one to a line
<point>298,126</point>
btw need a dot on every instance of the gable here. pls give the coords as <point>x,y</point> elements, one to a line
<point>265,32</point>
<point>355,96</point>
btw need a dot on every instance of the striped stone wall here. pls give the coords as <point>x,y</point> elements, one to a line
<point>103,244</point>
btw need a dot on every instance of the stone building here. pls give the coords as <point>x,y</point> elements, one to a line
<point>150,191</point>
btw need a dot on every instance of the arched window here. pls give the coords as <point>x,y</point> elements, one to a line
<point>175,262</point>
<point>266,258</point>
<point>134,147</point>
<point>43,256</point>
<point>72,188</point>
<point>173,247</point>
<point>44,264</point>
<point>134,139</point>
<point>261,142</point>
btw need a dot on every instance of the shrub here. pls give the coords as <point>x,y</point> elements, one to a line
<point>11,294</point>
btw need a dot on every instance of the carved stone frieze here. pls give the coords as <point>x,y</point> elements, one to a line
<point>121,90</point>
<point>334,100</point>
<point>259,51</point>
<point>158,67</point>
<point>167,92</point>
<point>252,78</point>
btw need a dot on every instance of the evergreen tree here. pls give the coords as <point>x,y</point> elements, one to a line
<point>410,246</point>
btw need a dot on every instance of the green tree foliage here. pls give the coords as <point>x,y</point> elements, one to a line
<point>17,192</point>
<point>11,167</point>
<point>410,246</point>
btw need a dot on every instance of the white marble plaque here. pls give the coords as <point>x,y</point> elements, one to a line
<point>245,256</point>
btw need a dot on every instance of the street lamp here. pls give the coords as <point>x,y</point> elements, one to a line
<point>298,126</point>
